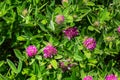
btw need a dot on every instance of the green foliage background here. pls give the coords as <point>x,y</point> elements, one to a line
<point>32,22</point>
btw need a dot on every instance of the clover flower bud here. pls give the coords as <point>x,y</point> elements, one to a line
<point>66,1</point>
<point>59,19</point>
<point>109,38</point>
<point>96,23</point>
<point>24,12</point>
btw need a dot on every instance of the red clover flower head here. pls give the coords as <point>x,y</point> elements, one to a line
<point>59,19</point>
<point>111,77</point>
<point>49,51</point>
<point>118,29</point>
<point>71,32</point>
<point>89,43</point>
<point>88,78</point>
<point>31,50</point>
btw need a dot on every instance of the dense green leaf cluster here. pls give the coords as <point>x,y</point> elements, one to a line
<point>32,22</point>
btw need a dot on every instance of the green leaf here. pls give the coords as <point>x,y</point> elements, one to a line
<point>44,21</point>
<point>69,19</point>
<point>42,27</point>
<point>33,77</point>
<point>94,61</point>
<point>90,4</point>
<point>12,66</point>
<point>2,39</point>
<point>87,54</point>
<point>18,54</point>
<point>59,76</point>
<point>104,15</point>
<point>37,1</point>
<point>73,76</point>
<point>58,57</point>
<point>36,68</point>
<point>91,64</point>
<point>1,63</point>
<point>110,45</point>
<point>32,61</point>
<point>25,71</point>
<point>54,64</point>
<point>38,57</point>
<point>58,10</point>
<point>91,28</point>
<point>4,9</point>
<point>82,74</point>
<point>52,27</point>
<point>97,30</point>
<point>79,18</point>
<point>2,77</point>
<point>80,47</point>
<point>42,6</point>
<point>19,66</point>
<point>77,57</point>
<point>66,11</point>
<point>82,65</point>
<point>21,38</point>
